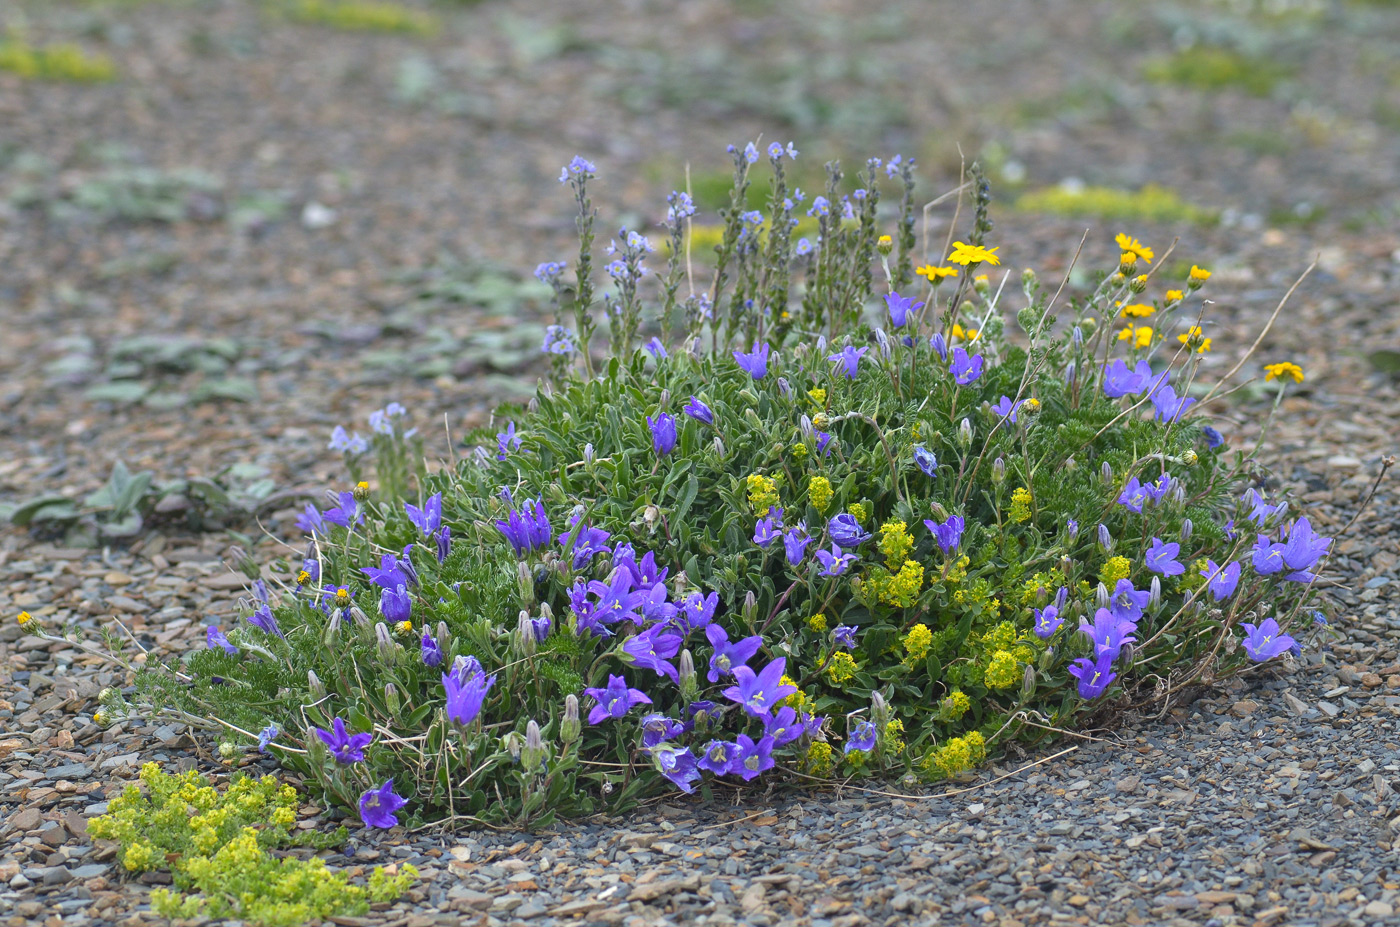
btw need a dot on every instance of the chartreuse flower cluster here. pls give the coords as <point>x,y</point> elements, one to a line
<point>216,845</point>
<point>825,516</point>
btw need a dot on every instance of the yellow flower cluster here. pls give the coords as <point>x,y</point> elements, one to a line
<point>1131,245</point>
<point>895,542</point>
<point>1197,277</point>
<point>817,395</point>
<point>1174,296</point>
<point>1020,505</point>
<point>917,643</point>
<point>1114,569</point>
<point>898,589</point>
<point>817,623</point>
<point>1137,311</point>
<point>819,758</point>
<point>958,754</point>
<point>1196,338</point>
<point>858,510</point>
<point>954,705</point>
<point>1002,672</point>
<point>798,700</point>
<point>763,493</point>
<point>799,451</point>
<point>1141,335</point>
<point>819,492</point>
<point>841,668</point>
<point>893,744</point>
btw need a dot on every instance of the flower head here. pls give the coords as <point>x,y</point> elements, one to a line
<point>679,766</point>
<point>862,737</point>
<point>427,519</point>
<point>754,757</point>
<point>1118,380</point>
<point>663,433</point>
<point>844,635</point>
<point>1303,549</point>
<point>378,806</point>
<point>925,460</point>
<point>719,756</point>
<point>1006,408</point>
<point>577,168</point>
<point>430,651</point>
<point>850,355</point>
<point>1047,622</point>
<point>1285,369</point>
<point>653,650</point>
<point>465,697</point>
<point>263,619</point>
<point>507,441</point>
<point>966,254</point>
<point>934,274</point>
<point>795,541</point>
<point>1169,406</point>
<point>558,340</point>
<point>755,363</point>
<point>1266,641</point>
<point>1131,245</point>
<point>1108,633</point>
<point>1095,676</point>
<point>784,726</point>
<point>726,654</point>
<point>1161,558</point>
<point>213,636</point>
<point>845,531</point>
<point>396,605</point>
<point>1221,581</point>
<point>768,528</point>
<point>1126,602</point>
<point>965,369</point>
<point>948,534</point>
<point>835,562</point>
<point>614,700</point>
<point>527,528</point>
<point>346,748</point>
<point>758,692</point>
<point>1196,338</point>
<point>699,411</point>
<point>901,308</point>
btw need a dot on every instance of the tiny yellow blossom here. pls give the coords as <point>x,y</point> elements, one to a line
<point>799,451</point>
<point>1287,368</point>
<point>819,758</point>
<point>342,595</point>
<point>817,396</point>
<point>917,643</point>
<point>1020,505</point>
<point>1002,672</point>
<point>841,667</point>
<point>954,705</point>
<point>817,623</point>
<point>1137,311</point>
<point>936,274</point>
<point>404,627</point>
<point>1197,277</point>
<point>24,618</point>
<point>1174,296</point>
<point>966,254</point>
<point>960,333</point>
<point>303,577</point>
<point>1114,569</point>
<point>857,509</point>
<point>1194,336</point>
<point>1131,245</point>
<point>819,492</point>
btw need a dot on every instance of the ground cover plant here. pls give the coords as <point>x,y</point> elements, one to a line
<point>835,511</point>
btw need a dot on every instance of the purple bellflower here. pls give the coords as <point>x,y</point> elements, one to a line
<point>656,349</point>
<point>862,737</point>
<point>679,766</point>
<point>1118,380</point>
<point>939,344</point>
<point>925,460</point>
<point>431,652</point>
<point>429,518</point>
<point>784,726</point>
<point>835,562</point>
<point>396,604</point>
<point>1157,491</point>
<point>616,599</point>
<point>587,542</point>
<point>1169,406</point>
<point>1094,676</point>
<point>768,528</point>
<point>614,701</point>
<point>965,369</point>
<point>795,541</point>
<point>657,729</point>
<point>216,638</point>
<point>844,636</point>
<point>507,441</point>
<point>719,756</point>
<point>1261,511</point>
<point>1007,409</point>
<point>345,512</point>
<point>653,649</point>
<point>727,656</point>
<point>1303,549</point>
<point>1221,581</point>
<point>1126,602</point>
<point>263,619</point>
<point>527,528</point>
<point>698,610</point>
<point>699,411</point>
<point>310,520</point>
<point>845,531</point>
<point>1267,556</point>
<point>755,363</point>
<point>948,534</point>
<point>901,308</point>
<point>1108,633</point>
<point>346,748</point>
<point>1161,558</point>
<point>850,356</point>
<point>758,692</point>
<point>378,806</point>
<point>1133,496</point>
<point>1047,622</point>
<point>465,698</point>
<point>663,433</point>
<point>388,574</point>
<point>755,757</point>
<point>1266,641</point>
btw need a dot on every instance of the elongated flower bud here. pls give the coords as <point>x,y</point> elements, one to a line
<point>444,638</point>
<point>358,616</point>
<point>665,399</point>
<point>1028,682</point>
<point>588,453</point>
<point>570,727</point>
<point>718,446</point>
<point>524,641</point>
<point>1101,596</point>
<point>1186,530</point>
<point>384,641</point>
<point>391,699</point>
<point>690,686</point>
<point>1154,599</point>
<point>525,579</point>
<point>535,753</point>
<point>314,684</point>
<point>879,710</point>
<point>1106,474</point>
<point>513,744</point>
<point>1078,336</point>
<point>1071,371</point>
<point>965,434</point>
<point>1105,539</point>
<point>999,471</point>
<point>938,511</point>
<point>750,607</point>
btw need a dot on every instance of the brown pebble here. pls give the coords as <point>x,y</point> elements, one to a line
<point>1370,680</point>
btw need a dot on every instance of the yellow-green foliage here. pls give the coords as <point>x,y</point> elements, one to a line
<point>216,847</point>
<point>363,16</point>
<point>1151,203</point>
<point>55,62</point>
<point>1207,68</point>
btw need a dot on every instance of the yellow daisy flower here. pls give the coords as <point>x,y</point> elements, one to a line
<point>1138,311</point>
<point>1287,368</point>
<point>936,274</point>
<point>1174,296</point>
<point>966,254</point>
<point>1194,336</point>
<point>1127,243</point>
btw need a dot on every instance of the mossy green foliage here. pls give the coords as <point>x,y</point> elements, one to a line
<point>363,16</point>
<point>1150,204</point>
<point>1212,69</point>
<point>58,62</point>
<point>217,846</point>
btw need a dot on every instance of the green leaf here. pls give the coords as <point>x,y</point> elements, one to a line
<point>49,508</point>
<point>122,391</point>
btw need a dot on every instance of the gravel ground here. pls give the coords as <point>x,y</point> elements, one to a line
<point>338,187</point>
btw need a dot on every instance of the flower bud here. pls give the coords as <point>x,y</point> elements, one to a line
<point>314,684</point>
<point>749,610</point>
<point>534,754</point>
<point>1066,564</point>
<point>651,515</point>
<point>361,491</point>
<point>1101,596</point>
<point>444,637</point>
<point>939,512</point>
<point>939,344</point>
<point>569,728</point>
<point>1071,371</point>
<point>1154,598</point>
<point>999,471</point>
<point>1030,406</point>
<point>1139,284</point>
<point>1078,336</point>
<point>358,616</point>
<point>1189,458</point>
<point>718,446</point>
<point>1127,263</point>
<point>808,432</point>
<point>524,640</point>
<point>1029,281</point>
<point>879,710</point>
<point>752,418</point>
<point>982,285</point>
<point>525,579</point>
<point>384,641</point>
<point>884,244</point>
<point>690,685</point>
<point>227,750</point>
<point>1178,493</point>
<point>1128,652</point>
<point>513,743</point>
<point>588,453</point>
<point>1106,474</point>
<point>391,699</point>
<point>821,420</point>
<point>1186,529</point>
<point>1028,682</point>
<point>965,434</point>
<point>883,341</point>
<point>328,637</point>
<point>1105,539</point>
<point>665,399</point>
<point>784,386</point>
